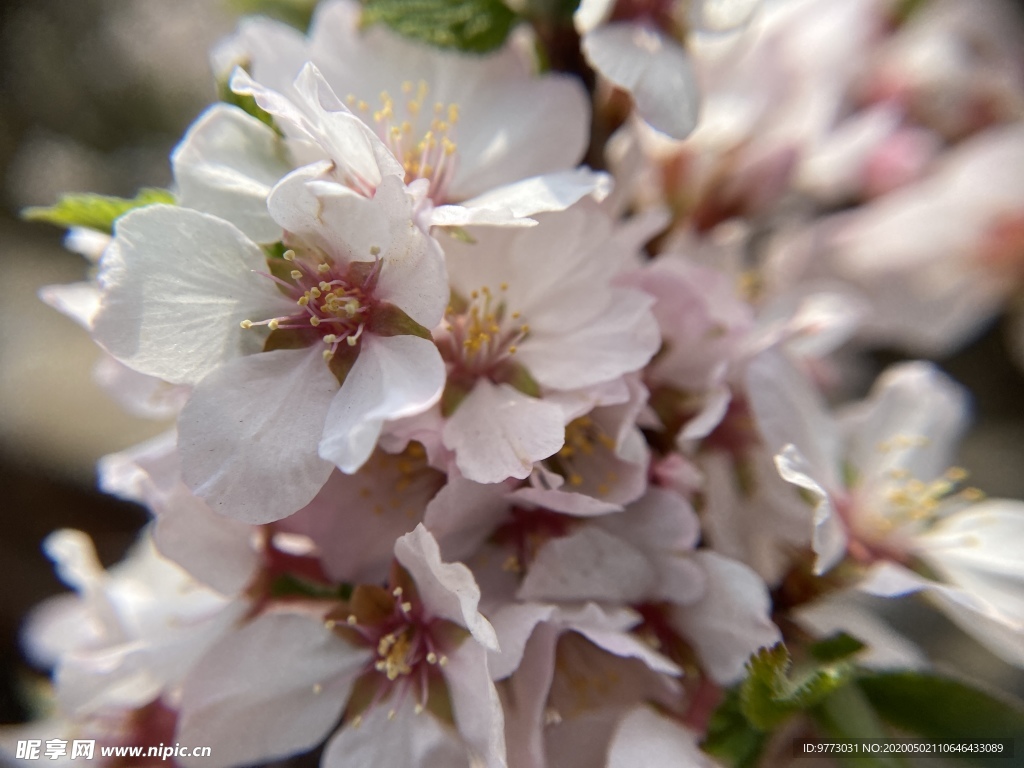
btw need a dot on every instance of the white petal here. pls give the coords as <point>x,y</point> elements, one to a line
<point>273,688</point>
<point>497,432</point>
<point>226,165</point>
<point>645,739</point>
<point>731,620</point>
<point>979,549</point>
<point>653,68</point>
<point>829,540</point>
<point>393,377</point>
<point>475,703</point>
<point>789,410</point>
<point>1001,633</point>
<point>248,435</point>
<point>448,590</point>
<point>176,284</point>
<point>551,192</point>
<point>385,741</point>
<point>621,340</point>
<point>79,301</point>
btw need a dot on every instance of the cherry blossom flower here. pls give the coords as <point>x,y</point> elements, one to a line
<point>482,139</point>
<point>508,342</point>
<point>405,666</point>
<point>355,286</point>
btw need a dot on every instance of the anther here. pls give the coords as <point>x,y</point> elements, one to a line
<point>288,255</point>
<point>247,324</point>
<point>296,274</point>
<point>323,269</point>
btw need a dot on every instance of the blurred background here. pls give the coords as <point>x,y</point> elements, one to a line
<point>94,94</point>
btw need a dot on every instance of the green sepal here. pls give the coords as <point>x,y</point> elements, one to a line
<point>517,376</point>
<point>275,250</point>
<point>297,13</point>
<point>476,26</point>
<point>452,397</point>
<point>97,212</point>
<point>389,320</point>
<point>769,696</point>
<point>837,647</point>
<point>730,736</point>
<point>289,585</point>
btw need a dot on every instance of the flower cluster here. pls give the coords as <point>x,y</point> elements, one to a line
<point>486,458</point>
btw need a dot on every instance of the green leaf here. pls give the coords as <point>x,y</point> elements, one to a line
<point>97,212</point>
<point>846,714</point>
<point>289,585</point>
<point>730,737</point>
<point>769,696</point>
<point>836,647</point>
<point>295,12</point>
<point>941,709</point>
<point>477,26</point>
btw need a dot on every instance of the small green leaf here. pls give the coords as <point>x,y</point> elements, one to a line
<point>288,585</point>
<point>389,320</point>
<point>298,13</point>
<point>477,26</point>
<point>941,709</point>
<point>846,714</point>
<point>836,647</point>
<point>97,212</point>
<point>769,696</point>
<point>730,737</point>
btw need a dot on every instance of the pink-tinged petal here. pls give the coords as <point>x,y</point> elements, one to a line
<point>655,70</point>
<point>526,700</point>
<point>615,342</point>
<point>731,620</point>
<point>176,284</point>
<point>1000,632</point>
<point>355,519</point>
<point>463,514</point>
<point>447,590</point>
<point>514,624</point>
<point>566,502</point>
<point>393,377</point>
<point>590,13</point>
<point>498,432</point>
<point>645,739</point>
<point>214,549</point>
<point>829,538</point>
<point>589,564</point>
<point>475,703</point>
<point>665,528</point>
<point>383,740</point>
<point>550,192</point>
<point>248,436</point>
<point>273,688</point>
<point>79,301</point>
<point>226,165</point>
